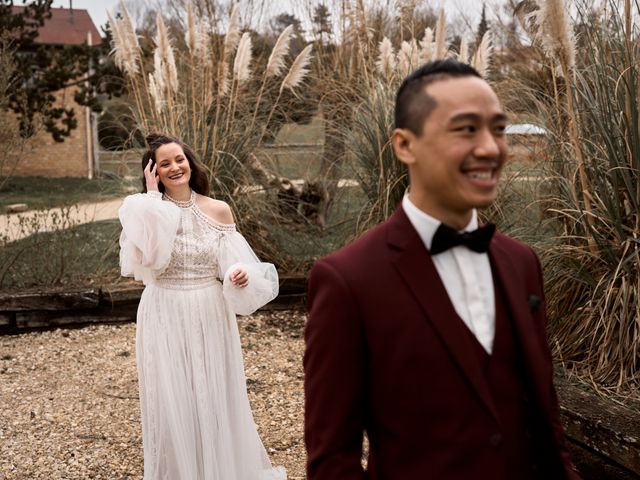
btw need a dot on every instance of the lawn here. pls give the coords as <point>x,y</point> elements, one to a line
<point>43,192</point>
<point>80,255</point>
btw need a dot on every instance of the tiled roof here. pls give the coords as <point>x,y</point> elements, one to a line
<point>66,27</point>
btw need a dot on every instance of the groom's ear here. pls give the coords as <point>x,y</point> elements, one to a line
<point>402,141</point>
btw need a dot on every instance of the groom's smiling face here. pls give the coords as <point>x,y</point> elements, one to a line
<point>456,159</point>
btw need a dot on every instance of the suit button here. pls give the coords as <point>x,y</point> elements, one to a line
<point>495,439</point>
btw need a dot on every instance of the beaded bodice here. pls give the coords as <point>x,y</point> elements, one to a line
<point>196,248</point>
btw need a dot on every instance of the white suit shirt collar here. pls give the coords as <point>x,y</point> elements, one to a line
<point>426,225</point>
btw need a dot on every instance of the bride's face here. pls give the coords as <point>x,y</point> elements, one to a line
<point>172,166</point>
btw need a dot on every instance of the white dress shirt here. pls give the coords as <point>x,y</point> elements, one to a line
<point>466,276</point>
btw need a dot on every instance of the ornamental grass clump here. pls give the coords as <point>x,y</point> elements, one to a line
<point>592,257</point>
<point>215,94</point>
<point>381,176</point>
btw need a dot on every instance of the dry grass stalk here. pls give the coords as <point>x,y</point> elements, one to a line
<point>406,10</point>
<point>463,53</point>
<point>365,33</point>
<point>441,36</point>
<point>191,33</point>
<point>558,40</point>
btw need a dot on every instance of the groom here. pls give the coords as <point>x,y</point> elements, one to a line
<point>428,333</point>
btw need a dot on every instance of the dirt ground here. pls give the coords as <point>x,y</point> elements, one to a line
<point>69,399</point>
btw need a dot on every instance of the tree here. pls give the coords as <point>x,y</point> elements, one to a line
<point>282,21</point>
<point>42,70</point>
<point>483,26</point>
<point>321,21</point>
<point>11,145</point>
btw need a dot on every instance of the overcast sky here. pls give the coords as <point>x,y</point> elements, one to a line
<point>470,9</point>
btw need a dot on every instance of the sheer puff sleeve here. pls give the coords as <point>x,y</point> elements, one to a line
<point>235,253</point>
<point>149,228</point>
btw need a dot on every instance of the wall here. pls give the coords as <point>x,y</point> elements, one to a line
<point>42,156</point>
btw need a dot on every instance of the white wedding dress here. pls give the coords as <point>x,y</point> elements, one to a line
<point>196,418</point>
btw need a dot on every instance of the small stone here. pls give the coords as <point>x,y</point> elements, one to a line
<point>16,208</point>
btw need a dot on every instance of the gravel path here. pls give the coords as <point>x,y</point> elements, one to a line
<point>69,399</point>
<point>19,225</point>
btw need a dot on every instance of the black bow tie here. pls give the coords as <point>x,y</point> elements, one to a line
<point>477,240</point>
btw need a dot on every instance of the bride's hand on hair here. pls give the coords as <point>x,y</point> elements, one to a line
<point>151,176</point>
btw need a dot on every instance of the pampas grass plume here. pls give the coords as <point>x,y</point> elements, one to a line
<point>232,37</point>
<point>223,85</point>
<point>129,27</point>
<point>125,42</point>
<point>156,93</point>
<point>427,46</point>
<point>408,57</point>
<point>202,43</point>
<point>298,69</point>
<point>556,31</point>
<point>241,71</point>
<point>165,55</point>
<point>275,65</point>
<point>386,63</point>
<point>118,50</point>
<point>482,57</point>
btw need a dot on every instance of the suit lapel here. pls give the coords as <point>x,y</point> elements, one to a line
<point>516,295</point>
<point>416,268</point>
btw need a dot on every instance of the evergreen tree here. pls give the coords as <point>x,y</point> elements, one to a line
<point>483,26</point>
<point>42,70</point>
<point>321,21</point>
<point>282,21</point>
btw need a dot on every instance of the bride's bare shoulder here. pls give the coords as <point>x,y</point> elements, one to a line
<point>216,209</point>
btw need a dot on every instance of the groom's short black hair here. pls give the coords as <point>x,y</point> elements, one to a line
<point>413,105</point>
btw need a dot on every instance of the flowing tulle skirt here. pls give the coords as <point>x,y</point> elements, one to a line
<point>196,419</point>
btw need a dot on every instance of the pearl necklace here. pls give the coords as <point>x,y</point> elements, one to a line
<point>182,203</point>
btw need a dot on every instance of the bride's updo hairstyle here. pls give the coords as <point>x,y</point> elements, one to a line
<point>199,181</point>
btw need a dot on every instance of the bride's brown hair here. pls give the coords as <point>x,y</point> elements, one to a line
<point>199,181</point>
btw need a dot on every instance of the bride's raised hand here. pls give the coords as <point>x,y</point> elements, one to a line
<point>151,176</point>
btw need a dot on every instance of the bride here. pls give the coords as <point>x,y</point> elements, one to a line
<point>199,272</point>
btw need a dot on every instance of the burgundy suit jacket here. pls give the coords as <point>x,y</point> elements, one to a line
<point>384,356</point>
